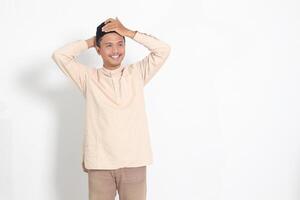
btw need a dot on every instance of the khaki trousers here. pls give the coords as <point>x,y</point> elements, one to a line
<point>130,182</point>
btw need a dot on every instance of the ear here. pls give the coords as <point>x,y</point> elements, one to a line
<point>97,49</point>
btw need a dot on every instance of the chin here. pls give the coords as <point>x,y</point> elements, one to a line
<point>115,64</point>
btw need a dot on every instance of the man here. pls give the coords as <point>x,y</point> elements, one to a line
<point>116,147</point>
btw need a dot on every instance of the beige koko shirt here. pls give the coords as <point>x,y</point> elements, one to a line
<point>116,130</point>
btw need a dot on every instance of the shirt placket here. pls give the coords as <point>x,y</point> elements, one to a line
<point>116,89</point>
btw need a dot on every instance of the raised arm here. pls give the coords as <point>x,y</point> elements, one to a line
<point>150,64</point>
<point>66,59</point>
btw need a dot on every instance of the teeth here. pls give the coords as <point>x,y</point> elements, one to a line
<point>115,56</point>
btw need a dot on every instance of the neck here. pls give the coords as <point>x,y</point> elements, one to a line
<point>111,67</point>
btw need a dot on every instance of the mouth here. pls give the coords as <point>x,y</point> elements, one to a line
<point>116,57</point>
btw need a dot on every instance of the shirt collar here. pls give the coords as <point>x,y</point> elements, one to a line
<point>112,72</point>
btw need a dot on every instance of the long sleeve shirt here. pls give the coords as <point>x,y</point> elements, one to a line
<point>116,128</point>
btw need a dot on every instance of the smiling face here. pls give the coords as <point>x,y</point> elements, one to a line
<point>112,50</point>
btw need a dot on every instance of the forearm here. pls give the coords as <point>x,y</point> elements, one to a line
<point>158,47</point>
<point>69,51</point>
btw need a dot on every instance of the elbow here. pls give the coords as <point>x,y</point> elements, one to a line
<point>167,50</point>
<point>55,56</point>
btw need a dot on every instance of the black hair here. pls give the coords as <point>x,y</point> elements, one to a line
<point>100,33</point>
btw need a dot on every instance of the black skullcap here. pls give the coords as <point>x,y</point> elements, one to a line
<point>100,33</point>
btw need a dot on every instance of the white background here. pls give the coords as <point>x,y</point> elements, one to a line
<point>223,111</point>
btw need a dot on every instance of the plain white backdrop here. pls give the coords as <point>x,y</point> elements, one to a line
<point>223,111</point>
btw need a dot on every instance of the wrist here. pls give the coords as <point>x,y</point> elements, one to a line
<point>130,33</point>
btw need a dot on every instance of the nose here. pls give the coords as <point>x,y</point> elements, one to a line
<point>115,50</point>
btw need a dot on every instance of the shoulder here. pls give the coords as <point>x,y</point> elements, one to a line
<point>131,69</point>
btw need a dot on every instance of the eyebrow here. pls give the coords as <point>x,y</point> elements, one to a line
<point>111,42</point>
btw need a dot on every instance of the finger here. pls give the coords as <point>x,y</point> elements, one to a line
<point>109,30</point>
<point>109,20</point>
<point>108,27</point>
